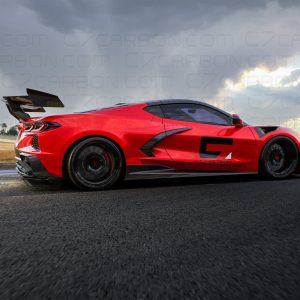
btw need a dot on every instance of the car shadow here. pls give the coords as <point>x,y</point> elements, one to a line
<point>183,181</point>
<point>67,187</point>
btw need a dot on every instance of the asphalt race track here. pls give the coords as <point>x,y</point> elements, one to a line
<point>192,238</point>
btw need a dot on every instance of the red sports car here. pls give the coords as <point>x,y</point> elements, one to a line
<point>97,148</point>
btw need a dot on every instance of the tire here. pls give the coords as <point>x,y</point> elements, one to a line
<point>279,158</point>
<point>95,163</point>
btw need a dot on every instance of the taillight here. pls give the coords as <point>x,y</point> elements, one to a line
<point>40,126</point>
<point>20,129</point>
<point>28,126</point>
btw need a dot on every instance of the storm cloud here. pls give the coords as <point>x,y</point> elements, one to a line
<point>95,53</point>
<point>153,16</point>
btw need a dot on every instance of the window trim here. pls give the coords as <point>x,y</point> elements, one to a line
<point>205,105</point>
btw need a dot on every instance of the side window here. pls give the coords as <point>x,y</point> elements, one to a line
<point>195,113</point>
<point>154,110</point>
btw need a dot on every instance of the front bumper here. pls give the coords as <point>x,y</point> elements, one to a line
<point>29,166</point>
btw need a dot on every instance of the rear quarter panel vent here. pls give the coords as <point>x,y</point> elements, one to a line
<point>35,142</point>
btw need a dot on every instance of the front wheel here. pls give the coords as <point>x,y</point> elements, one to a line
<point>279,158</point>
<point>95,164</point>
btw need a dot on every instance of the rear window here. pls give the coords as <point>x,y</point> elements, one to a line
<point>154,110</point>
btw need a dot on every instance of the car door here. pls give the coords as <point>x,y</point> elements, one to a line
<point>205,139</point>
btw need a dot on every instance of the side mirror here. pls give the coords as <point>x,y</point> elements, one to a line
<point>237,121</point>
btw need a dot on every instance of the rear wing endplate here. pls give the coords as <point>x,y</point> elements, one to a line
<point>35,101</point>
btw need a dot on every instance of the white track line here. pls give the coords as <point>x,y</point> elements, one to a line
<point>8,172</point>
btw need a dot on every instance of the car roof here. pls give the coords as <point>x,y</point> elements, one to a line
<point>148,103</point>
<point>160,102</point>
<point>174,101</point>
<point>185,101</point>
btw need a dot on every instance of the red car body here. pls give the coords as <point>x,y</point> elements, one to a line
<point>149,141</point>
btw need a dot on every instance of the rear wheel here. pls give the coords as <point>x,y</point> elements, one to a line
<point>279,158</point>
<point>95,163</point>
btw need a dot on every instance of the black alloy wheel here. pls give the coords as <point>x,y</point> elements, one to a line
<point>280,158</point>
<point>95,163</point>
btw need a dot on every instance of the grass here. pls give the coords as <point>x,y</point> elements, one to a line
<point>7,153</point>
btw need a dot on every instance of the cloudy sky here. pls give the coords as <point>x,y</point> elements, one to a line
<point>243,56</point>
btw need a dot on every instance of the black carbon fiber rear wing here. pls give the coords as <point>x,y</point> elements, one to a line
<point>35,101</point>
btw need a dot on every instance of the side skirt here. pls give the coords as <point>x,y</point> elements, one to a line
<point>152,172</point>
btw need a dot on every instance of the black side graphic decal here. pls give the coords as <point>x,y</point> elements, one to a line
<point>213,140</point>
<point>147,148</point>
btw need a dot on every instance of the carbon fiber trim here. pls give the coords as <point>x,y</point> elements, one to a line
<point>134,169</point>
<point>147,148</point>
<point>35,101</point>
<point>30,166</point>
<point>263,130</point>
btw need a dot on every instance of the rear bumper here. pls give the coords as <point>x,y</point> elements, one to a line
<point>30,166</point>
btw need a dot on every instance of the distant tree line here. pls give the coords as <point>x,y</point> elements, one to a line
<point>4,130</point>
